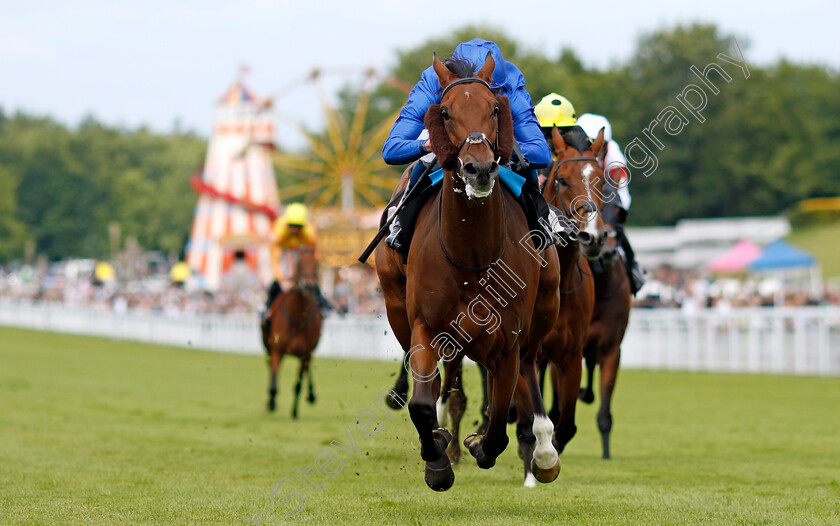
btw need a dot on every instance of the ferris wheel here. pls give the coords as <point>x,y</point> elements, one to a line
<point>341,166</point>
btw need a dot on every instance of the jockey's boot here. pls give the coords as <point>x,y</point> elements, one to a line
<point>547,217</point>
<point>393,240</point>
<point>634,272</point>
<point>323,303</point>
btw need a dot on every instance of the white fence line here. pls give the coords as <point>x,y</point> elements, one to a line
<point>803,341</point>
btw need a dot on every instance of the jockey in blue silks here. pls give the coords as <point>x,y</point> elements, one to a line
<point>408,141</point>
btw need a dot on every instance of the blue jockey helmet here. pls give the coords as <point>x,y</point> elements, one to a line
<point>476,51</point>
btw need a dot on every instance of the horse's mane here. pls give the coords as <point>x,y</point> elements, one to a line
<point>460,66</point>
<point>576,138</point>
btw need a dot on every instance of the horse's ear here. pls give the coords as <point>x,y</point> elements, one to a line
<point>486,71</point>
<point>445,151</point>
<point>557,140</point>
<point>505,138</point>
<point>598,144</point>
<point>444,75</point>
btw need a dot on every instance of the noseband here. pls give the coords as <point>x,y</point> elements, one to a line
<point>474,137</point>
<point>588,206</point>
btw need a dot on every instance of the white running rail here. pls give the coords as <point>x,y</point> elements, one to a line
<point>802,341</point>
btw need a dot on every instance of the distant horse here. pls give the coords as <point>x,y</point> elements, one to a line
<point>440,304</point>
<point>609,323</point>
<point>295,326</point>
<point>569,187</point>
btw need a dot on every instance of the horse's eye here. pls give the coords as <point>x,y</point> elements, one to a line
<point>444,112</point>
<point>496,110</point>
<point>562,181</point>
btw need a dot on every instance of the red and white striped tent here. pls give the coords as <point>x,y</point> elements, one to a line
<point>237,200</point>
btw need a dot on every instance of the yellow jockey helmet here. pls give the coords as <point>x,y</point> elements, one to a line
<point>555,110</point>
<point>295,214</point>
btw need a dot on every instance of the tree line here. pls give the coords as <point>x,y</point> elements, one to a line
<point>765,142</point>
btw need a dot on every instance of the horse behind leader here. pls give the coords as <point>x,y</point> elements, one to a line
<point>295,326</point>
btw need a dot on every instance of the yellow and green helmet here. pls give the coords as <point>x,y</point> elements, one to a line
<point>555,110</point>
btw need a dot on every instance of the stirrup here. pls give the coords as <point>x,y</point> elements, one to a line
<point>637,278</point>
<point>392,240</point>
<point>560,232</point>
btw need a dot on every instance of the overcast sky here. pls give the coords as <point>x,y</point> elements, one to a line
<point>152,62</point>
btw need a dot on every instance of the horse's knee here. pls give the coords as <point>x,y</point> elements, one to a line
<point>604,422</point>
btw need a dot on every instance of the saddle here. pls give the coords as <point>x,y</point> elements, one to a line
<point>526,194</point>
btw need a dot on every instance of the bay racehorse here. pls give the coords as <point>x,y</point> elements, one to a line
<point>609,323</point>
<point>569,186</point>
<point>295,325</point>
<point>474,283</point>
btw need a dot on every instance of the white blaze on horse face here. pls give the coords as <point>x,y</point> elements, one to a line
<point>592,221</point>
<point>545,455</point>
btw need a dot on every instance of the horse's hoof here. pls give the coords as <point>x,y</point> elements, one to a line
<point>473,443</point>
<point>271,406</point>
<point>472,438</point>
<point>294,415</point>
<point>311,399</point>
<point>394,402</point>
<point>545,475</point>
<point>439,475</point>
<point>586,396</point>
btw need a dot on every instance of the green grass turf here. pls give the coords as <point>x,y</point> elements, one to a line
<point>97,431</point>
<point>821,241</point>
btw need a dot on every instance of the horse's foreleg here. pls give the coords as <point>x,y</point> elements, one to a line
<point>456,406</point>
<point>433,441</point>
<point>525,428</point>
<point>273,366</point>
<point>298,386</point>
<point>554,412</point>
<point>587,395</point>
<point>311,397</point>
<point>485,402</point>
<point>401,389</point>
<point>567,387</point>
<point>546,464</point>
<point>502,376</point>
<point>609,373</point>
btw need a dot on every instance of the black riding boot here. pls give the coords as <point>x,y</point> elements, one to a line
<point>402,225</point>
<point>274,290</point>
<point>540,213</point>
<point>634,271</point>
<point>323,303</point>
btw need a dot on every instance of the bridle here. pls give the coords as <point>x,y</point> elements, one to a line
<point>469,140</point>
<point>474,137</point>
<point>588,206</point>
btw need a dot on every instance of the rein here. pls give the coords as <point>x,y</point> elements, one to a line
<point>469,140</point>
<point>579,285</point>
<point>586,206</point>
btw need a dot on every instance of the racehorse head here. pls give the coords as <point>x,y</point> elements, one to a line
<point>576,185</point>
<point>471,130</point>
<point>306,268</point>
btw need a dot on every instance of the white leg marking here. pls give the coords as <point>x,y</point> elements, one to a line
<point>530,480</point>
<point>442,412</point>
<point>544,453</point>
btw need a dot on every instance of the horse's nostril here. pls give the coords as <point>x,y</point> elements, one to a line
<point>585,237</point>
<point>494,169</point>
<point>470,169</point>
